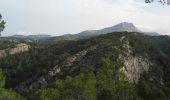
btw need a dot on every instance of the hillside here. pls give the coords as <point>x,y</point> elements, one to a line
<point>120,65</point>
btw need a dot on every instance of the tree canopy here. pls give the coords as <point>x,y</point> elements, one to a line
<point>7,94</point>
<point>2,24</point>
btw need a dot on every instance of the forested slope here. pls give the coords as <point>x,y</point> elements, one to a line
<point>115,66</point>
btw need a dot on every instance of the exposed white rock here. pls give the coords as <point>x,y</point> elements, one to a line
<point>54,71</point>
<point>134,66</point>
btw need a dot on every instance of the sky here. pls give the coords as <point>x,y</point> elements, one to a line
<point>58,17</point>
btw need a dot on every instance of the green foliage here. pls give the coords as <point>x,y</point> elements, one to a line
<point>111,83</point>
<point>149,91</point>
<point>150,86</point>
<point>36,62</point>
<point>81,87</point>
<point>7,95</point>
<point>140,44</point>
<point>162,42</point>
<point>6,43</point>
<point>2,79</point>
<point>2,24</point>
<point>48,94</point>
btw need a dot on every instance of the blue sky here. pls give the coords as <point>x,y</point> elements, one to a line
<point>57,17</point>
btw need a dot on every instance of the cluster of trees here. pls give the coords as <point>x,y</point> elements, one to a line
<point>20,67</point>
<point>107,84</point>
<point>6,94</point>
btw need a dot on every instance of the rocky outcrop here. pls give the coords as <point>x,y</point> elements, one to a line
<point>19,48</point>
<point>22,47</point>
<point>43,81</point>
<point>3,53</point>
<point>134,66</point>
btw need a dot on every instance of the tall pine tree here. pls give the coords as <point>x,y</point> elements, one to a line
<point>2,24</point>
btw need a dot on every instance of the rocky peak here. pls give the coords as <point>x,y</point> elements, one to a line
<point>125,26</point>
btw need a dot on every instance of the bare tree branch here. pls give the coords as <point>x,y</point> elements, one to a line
<point>160,1</point>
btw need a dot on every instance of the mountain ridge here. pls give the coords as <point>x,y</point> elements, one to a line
<point>124,26</point>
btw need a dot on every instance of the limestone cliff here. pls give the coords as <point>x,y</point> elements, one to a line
<point>19,48</point>
<point>22,47</point>
<point>134,65</point>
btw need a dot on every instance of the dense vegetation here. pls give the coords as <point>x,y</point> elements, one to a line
<point>94,76</point>
<point>6,94</point>
<point>108,84</point>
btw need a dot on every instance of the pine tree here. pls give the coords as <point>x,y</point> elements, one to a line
<point>2,24</point>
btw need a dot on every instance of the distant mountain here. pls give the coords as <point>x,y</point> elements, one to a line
<point>121,27</point>
<point>152,33</point>
<point>125,26</point>
<point>31,37</point>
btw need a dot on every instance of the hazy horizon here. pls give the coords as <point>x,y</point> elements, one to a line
<point>58,17</point>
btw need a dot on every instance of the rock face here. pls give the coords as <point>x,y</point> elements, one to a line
<point>3,53</point>
<point>22,47</point>
<point>125,26</point>
<point>134,66</point>
<point>19,48</point>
